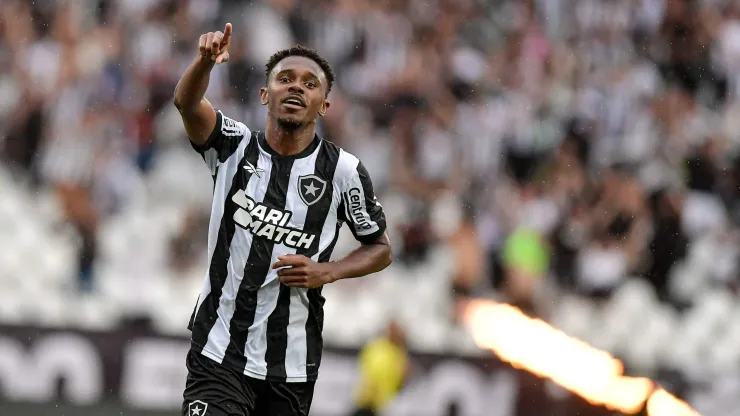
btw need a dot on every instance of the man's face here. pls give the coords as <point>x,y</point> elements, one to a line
<point>296,92</point>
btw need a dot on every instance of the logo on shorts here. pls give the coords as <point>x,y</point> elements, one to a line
<point>197,408</point>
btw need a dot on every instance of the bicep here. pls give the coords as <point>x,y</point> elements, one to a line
<point>200,122</point>
<point>360,207</point>
<point>380,240</point>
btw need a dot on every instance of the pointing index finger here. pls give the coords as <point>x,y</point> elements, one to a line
<point>227,32</point>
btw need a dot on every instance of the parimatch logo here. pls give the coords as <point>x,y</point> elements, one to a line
<point>265,222</point>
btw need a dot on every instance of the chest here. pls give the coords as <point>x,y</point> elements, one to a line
<point>297,194</point>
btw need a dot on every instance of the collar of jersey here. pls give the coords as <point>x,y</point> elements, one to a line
<point>303,153</point>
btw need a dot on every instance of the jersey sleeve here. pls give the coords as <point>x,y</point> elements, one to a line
<point>222,142</point>
<point>360,207</point>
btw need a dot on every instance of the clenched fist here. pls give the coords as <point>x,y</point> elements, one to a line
<point>215,45</point>
<point>300,271</point>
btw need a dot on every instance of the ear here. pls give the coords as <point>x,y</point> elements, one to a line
<point>263,96</point>
<point>324,106</point>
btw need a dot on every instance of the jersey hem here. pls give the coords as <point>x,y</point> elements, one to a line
<point>288,379</point>
<point>291,379</point>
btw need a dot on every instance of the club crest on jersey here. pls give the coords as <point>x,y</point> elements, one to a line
<point>197,408</point>
<point>311,188</point>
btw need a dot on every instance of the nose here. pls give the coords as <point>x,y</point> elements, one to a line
<point>295,88</point>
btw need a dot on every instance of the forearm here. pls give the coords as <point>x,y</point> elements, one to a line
<point>198,116</point>
<point>366,259</point>
<point>191,88</point>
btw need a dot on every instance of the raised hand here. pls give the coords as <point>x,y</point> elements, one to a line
<point>215,45</point>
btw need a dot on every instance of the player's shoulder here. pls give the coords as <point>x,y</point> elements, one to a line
<point>346,162</point>
<point>230,127</point>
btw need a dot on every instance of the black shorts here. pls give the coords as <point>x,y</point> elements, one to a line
<point>215,390</point>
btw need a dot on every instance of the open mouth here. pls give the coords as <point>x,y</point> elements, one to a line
<point>295,101</point>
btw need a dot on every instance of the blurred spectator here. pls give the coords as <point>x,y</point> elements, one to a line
<point>384,367</point>
<point>188,243</point>
<point>525,259</point>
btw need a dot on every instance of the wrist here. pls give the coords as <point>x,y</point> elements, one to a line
<point>333,272</point>
<point>204,61</point>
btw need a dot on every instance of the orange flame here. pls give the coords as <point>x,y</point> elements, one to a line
<point>535,346</point>
<point>662,403</point>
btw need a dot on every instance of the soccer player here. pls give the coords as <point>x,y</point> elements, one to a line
<point>280,198</point>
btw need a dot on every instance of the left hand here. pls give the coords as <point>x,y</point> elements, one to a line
<point>300,271</point>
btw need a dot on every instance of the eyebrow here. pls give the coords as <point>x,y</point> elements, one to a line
<point>290,70</point>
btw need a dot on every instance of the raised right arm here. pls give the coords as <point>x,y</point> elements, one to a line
<point>197,113</point>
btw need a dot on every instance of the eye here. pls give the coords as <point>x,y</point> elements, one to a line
<point>311,84</point>
<point>284,79</point>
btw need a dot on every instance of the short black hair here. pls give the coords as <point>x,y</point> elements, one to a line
<point>299,50</point>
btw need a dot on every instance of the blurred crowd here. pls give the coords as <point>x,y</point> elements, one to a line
<point>550,144</point>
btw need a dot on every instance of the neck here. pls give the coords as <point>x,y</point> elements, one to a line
<point>288,142</point>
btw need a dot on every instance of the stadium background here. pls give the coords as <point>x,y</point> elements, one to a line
<point>577,159</point>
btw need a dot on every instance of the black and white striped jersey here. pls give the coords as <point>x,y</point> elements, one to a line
<point>266,205</point>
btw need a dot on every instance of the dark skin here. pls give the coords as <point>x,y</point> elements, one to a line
<point>290,128</point>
